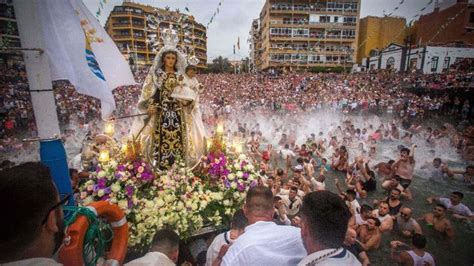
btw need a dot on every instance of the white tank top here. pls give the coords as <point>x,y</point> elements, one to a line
<point>427,259</point>
<point>359,220</point>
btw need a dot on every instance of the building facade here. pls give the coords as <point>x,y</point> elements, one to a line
<point>9,37</point>
<point>128,25</point>
<point>425,59</point>
<point>304,34</point>
<point>254,42</point>
<point>375,33</point>
<point>452,24</point>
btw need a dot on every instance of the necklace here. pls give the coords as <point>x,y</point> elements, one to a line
<point>322,257</point>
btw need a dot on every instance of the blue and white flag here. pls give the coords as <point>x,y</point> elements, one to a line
<point>81,51</point>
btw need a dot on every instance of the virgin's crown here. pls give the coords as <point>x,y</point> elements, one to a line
<point>170,37</point>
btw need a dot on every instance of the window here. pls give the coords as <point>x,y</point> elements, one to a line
<point>324,19</point>
<point>349,21</point>
<point>336,19</point>
<point>471,17</point>
<point>446,63</point>
<point>434,63</point>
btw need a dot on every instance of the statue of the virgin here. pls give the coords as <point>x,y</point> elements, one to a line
<point>162,133</point>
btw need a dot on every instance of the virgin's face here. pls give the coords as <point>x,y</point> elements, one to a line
<point>170,60</point>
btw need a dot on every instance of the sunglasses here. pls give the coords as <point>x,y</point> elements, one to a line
<point>64,201</point>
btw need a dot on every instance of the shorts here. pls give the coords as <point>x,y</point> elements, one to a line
<point>405,182</point>
<point>370,185</point>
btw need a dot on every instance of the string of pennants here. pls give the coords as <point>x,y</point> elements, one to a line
<point>216,12</point>
<point>102,3</point>
<point>401,31</point>
<point>443,27</point>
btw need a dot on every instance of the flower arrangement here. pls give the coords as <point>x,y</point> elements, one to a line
<point>177,199</point>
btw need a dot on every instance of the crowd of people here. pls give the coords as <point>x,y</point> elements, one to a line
<point>305,131</point>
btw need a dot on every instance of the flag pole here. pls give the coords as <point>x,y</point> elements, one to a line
<point>52,151</point>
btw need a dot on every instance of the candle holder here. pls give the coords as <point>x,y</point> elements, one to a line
<point>109,129</point>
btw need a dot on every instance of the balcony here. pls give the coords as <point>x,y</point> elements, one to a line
<point>311,8</point>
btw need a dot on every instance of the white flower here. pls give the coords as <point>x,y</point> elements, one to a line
<point>160,203</point>
<point>242,157</point>
<point>113,164</point>
<point>83,195</point>
<point>236,195</point>
<point>179,206</point>
<point>88,200</point>
<point>115,187</point>
<point>226,203</point>
<point>101,174</point>
<point>231,177</point>
<point>249,168</point>
<point>123,204</point>
<point>149,204</point>
<point>236,165</point>
<point>194,206</point>
<point>233,185</point>
<point>239,174</point>
<point>100,193</point>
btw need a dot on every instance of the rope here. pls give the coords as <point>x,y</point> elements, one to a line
<point>95,239</point>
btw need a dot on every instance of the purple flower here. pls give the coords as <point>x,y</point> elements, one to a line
<point>95,188</point>
<point>101,183</point>
<point>130,203</point>
<point>105,197</point>
<point>240,187</point>
<point>129,191</point>
<point>118,175</point>
<point>246,175</point>
<point>121,168</point>
<point>226,183</point>
<point>107,190</point>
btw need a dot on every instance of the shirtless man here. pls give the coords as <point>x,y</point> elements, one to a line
<point>404,168</point>
<point>382,213</point>
<point>384,169</point>
<point>437,219</point>
<point>454,205</point>
<point>370,236</point>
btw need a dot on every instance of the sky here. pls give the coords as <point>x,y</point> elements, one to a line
<point>235,17</point>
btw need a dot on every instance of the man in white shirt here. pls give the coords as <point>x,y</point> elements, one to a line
<point>292,202</point>
<point>264,242</point>
<point>454,205</point>
<point>238,224</point>
<point>324,219</point>
<point>33,229</point>
<point>287,152</point>
<point>164,250</point>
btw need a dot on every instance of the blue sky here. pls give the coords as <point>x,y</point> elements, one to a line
<point>235,17</point>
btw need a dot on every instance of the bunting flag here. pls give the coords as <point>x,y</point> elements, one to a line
<point>234,48</point>
<point>238,43</point>
<point>371,34</point>
<point>214,14</point>
<point>80,50</point>
<point>102,3</point>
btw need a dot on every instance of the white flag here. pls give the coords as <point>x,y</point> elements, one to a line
<point>81,51</point>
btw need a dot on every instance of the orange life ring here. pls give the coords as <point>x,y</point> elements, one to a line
<point>71,253</point>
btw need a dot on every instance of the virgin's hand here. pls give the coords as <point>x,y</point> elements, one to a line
<point>152,110</point>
